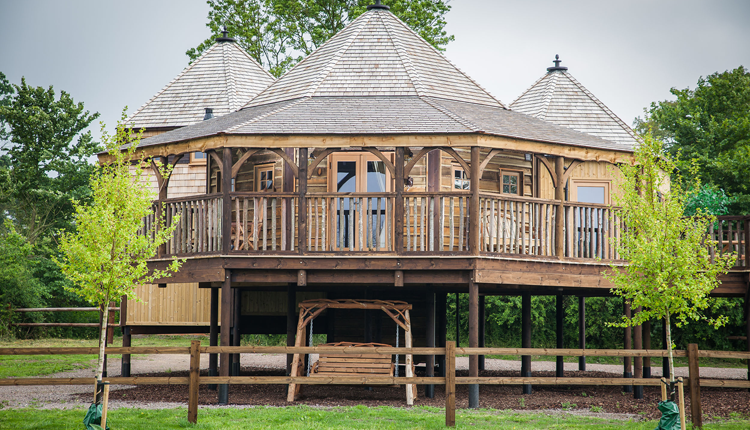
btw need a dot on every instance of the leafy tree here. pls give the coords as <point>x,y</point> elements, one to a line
<point>107,257</point>
<point>46,165</point>
<point>6,90</point>
<point>710,126</point>
<point>279,33</point>
<point>669,271</point>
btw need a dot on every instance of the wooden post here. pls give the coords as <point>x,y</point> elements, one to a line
<point>646,345</point>
<point>695,385</point>
<point>213,336</point>
<point>226,212</point>
<point>681,392</point>
<point>627,366</point>
<point>638,368</point>
<point>433,186</point>
<point>411,389</point>
<point>560,317</point>
<point>474,230</point>
<point>442,328</point>
<point>473,341</point>
<point>163,186</point>
<point>664,383</point>
<point>195,367</point>
<point>526,339</point>
<point>450,384</point>
<point>482,328</point>
<point>226,324</point>
<point>398,210</point>
<point>288,187</point>
<point>299,338</point>
<point>105,405</point>
<point>236,311</point>
<point>302,208</point>
<point>291,327</point>
<point>429,390</point>
<point>125,365</point>
<point>582,331</point>
<point>560,197</point>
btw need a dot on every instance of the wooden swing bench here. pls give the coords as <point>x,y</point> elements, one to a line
<point>353,364</point>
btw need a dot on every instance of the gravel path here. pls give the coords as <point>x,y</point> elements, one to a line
<point>66,396</point>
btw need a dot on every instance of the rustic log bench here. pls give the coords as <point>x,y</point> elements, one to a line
<point>353,364</point>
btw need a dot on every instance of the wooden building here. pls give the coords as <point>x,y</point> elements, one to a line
<point>376,169</point>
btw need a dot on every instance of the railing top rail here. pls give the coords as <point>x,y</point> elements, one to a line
<point>733,217</point>
<point>327,194</point>
<point>437,193</point>
<point>261,194</point>
<point>194,198</point>
<point>591,205</point>
<point>485,194</point>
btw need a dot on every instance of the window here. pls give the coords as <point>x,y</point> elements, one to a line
<point>197,158</point>
<point>460,179</point>
<point>590,191</point>
<point>511,183</point>
<point>264,178</point>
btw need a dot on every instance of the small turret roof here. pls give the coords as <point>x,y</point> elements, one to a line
<point>224,78</point>
<point>557,97</point>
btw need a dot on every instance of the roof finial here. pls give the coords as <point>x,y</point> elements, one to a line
<point>377,5</point>
<point>224,36</point>
<point>557,62</point>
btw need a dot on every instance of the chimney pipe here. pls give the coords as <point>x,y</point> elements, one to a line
<point>209,114</point>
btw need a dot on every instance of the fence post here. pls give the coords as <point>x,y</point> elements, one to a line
<point>695,386</point>
<point>450,384</point>
<point>681,392</point>
<point>195,366</point>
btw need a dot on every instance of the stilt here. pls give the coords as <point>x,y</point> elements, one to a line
<point>482,321</point>
<point>226,323</point>
<point>747,326</point>
<point>473,342</point>
<point>627,366</point>
<point>638,361</point>
<point>582,331</point>
<point>560,317</point>
<point>647,345</point>
<point>291,323</point>
<point>213,336</point>
<point>125,365</point>
<point>429,390</point>
<point>442,328</point>
<point>458,321</point>
<point>236,336</point>
<point>526,339</point>
<point>665,360</point>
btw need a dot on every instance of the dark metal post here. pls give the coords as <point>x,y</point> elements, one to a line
<point>582,331</point>
<point>482,327</point>
<point>213,336</point>
<point>291,323</point>
<point>125,366</point>
<point>665,359</point>
<point>473,342</point>
<point>627,361</point>
<point>458,321</point>
<point>429,390</point>
<point>526,339</point>
<point>560,317</point>
<point>638,368</point>
<point>236,331</point>
<point>442,327</point>
<point>226,323</point>
<point>647,345</point>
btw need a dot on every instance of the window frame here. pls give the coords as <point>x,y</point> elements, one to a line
<point>519,181</point>
<point>464,178</point>
<point>265,167</point>
<point>198,161</point>
<point>603,183</point>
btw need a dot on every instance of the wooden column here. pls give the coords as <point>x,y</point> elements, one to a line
<point>638,361</point>
<point>450,384</point>
<point>226,323</point>
<point>213,335</point>
<point>302,208</point>
<point>482,327</point>
<point>559,326</point>
<point>398,210</point>
<point>458,321</point>
<point>442,327</point>
<point>695,386</point>
<point>526,339</point>
<point>291,323</point>
<point>237,309</point>
<point>226,213</point>
<point>163,188</point>
<point>582,331</point>
<point>288,187</point>
<point>473,338</point>
<point>474,230</point>
<point>628,344</point>
<point>647,345</point>
<point>429,390</point>
<point>560,196</point>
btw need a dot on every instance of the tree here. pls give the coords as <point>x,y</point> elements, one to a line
<point>6,90</point>
<point>669,269</point>
<point>279,33</point>
<point>46,163</point>
<point>709,126</point>
<point>106,257</point>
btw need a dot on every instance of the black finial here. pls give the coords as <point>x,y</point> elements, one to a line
<point>377,5</point>
<point>209,114</point>
<point>224,36</point>
<point>557,62</point>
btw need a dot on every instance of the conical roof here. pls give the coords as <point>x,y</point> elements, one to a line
<point>378,77</point>
<point>224,78</point>
<point>559,98</point>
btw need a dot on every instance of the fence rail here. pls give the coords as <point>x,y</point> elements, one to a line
<point>449,381</point>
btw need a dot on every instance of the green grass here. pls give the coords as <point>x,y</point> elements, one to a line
<point>304,417</point>
<point>655,361</point>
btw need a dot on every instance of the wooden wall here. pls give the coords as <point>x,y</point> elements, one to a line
<point>587,170</point>
<point>178,304</point>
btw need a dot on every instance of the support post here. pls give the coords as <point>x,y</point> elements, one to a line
<point>560,318</point>
<point>681,393</point>
<point>695,386</point>
<point>288,187</point>
<point>628,344</point>
<point>398,210</point>
<point>647,345</point>
<point>458,321</point>
<point>638,361</point>
<point>665,360</point>
<point>226,213</point>
<point>237,309</point>
<point>473,341</point>
<point>582,331</point>
<point>411,389</point>
<point>195,367</point>
<point>560,197</point>
<point>226,323</point>
<point>302,208</point>
<point>429,390</point>
<point>474,230</point>
<point>482,328</point>
<point>163,186</point>
<point>442,328</point>
<point>747,316</point>
<point>526,339</point>
<point>450,384</point>
<point>213,336</point>
<point>291,323</point>
<point>125,366</point>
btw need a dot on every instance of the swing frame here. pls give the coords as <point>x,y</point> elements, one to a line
<point>397,310</point>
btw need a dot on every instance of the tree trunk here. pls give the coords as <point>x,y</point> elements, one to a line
<point>669,348</point>
<point>102,344</point>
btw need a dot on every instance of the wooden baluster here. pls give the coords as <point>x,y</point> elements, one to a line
<point>378,226</point>
<point>351,224</point>
<point>442,224</point>
<point>284,209</point>
<point>431,221</point>
<point>388,223</point>
<point>256,225</point>
<point>451,211</point>
<point>342,224</point>
<point>292,208</point>
<point>461,223</point>
<point>237,223</point>
<point>421,221</point>
<point>273,223</point>
<point>504,218</point>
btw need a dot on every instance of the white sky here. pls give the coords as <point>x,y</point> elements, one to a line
<point>110,54</point>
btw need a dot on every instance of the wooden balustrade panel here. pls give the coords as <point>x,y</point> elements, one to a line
<point>728,235</point>
<point>197,225</point>
<point>264,222</point>
<point>511,225</point>
<point>591,231</point>
<point>436,222</point>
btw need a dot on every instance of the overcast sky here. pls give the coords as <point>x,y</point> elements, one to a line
<point>110,54</point>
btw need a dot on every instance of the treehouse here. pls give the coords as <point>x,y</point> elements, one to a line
<point>376,170</point>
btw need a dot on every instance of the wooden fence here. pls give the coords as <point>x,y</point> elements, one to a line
<point>449,381</point>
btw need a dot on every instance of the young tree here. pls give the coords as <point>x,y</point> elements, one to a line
<point>670,272</point>
<point>107,255</point>
<point>279,33</point>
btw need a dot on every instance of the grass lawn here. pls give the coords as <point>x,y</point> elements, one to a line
<point>303,417</point>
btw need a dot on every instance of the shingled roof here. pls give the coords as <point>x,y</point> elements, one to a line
<point>224,78</point>
<point>377,76</point>
<point>559,98</point>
